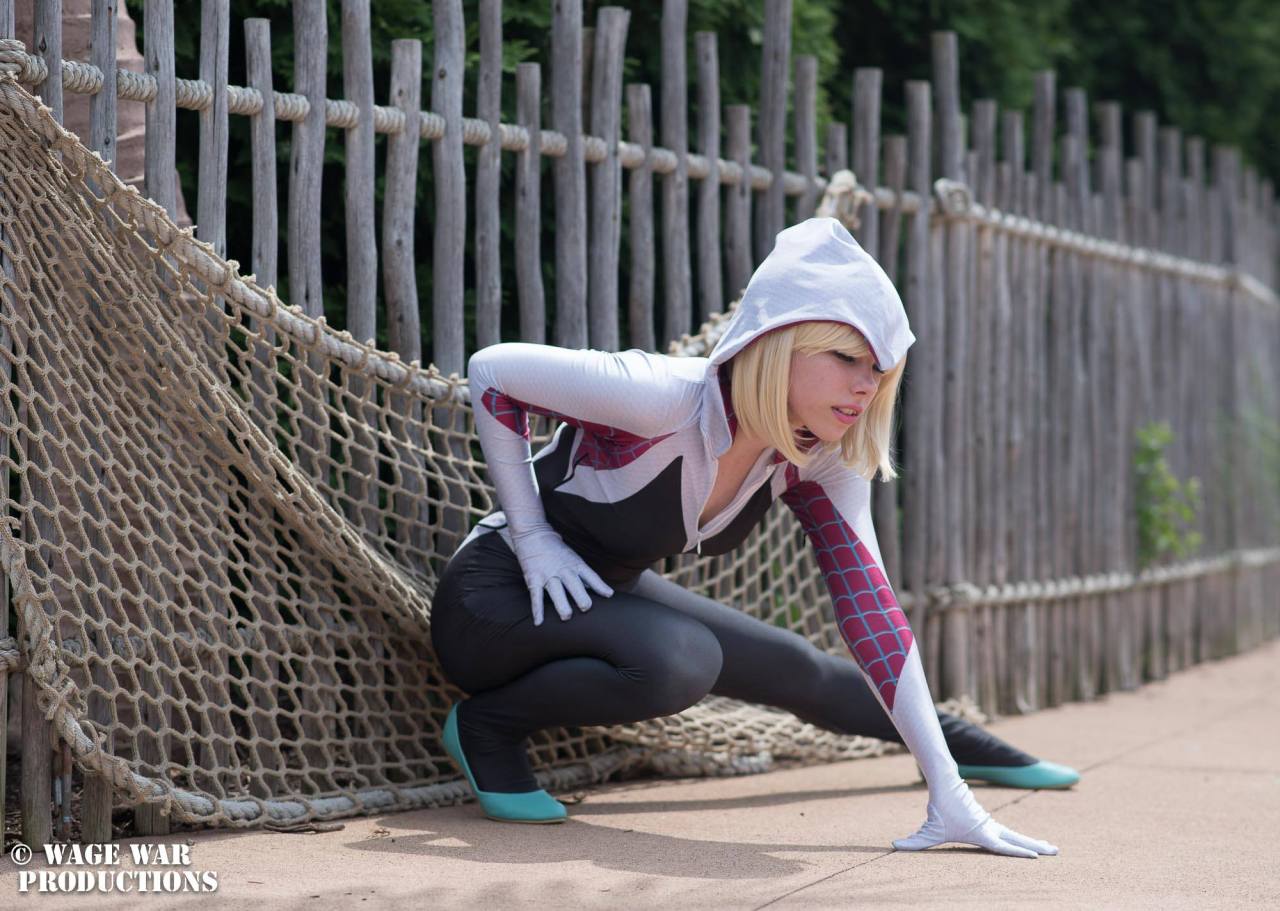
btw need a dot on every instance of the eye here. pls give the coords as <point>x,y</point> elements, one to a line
<point>844,357</point>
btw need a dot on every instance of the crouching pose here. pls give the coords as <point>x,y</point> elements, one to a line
<point>658,455</point>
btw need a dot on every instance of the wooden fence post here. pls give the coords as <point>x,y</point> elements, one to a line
<point>675,186</point>
<point>569,172</point>
<point>982,363</point>
<point>710,284</point>
<point>533,318</point>
<point>867,82</point>
<point>738,216</point>
<point>922,409</point>
<point>488,252</point>
<point>640,196</point>
<point>605,233</point>
<point>448,350</point>
<point>956,624</point>
<point>770,213</point>
<point>837,147</point>
<point>806,134</point>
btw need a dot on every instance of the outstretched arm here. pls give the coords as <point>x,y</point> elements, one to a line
<point>834,507</point>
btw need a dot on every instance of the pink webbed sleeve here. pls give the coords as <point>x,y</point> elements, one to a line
<point>836,516</point>
<point>833,504</point>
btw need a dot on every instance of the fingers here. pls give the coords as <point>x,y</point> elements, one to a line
<point>1033,844</point>
<point>588,575</point>
<point>917,842</point>
<point>1000,846</point>
<point>536,592</point>
<point>562,587</point>
<point>596,582</point>
<point>555,588</point>
<point>925,837</point>
<point>989,837</point>
<point>577,591</point>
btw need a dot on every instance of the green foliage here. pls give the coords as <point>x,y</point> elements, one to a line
<point>1208,67</point>
<point>1002,44</point>
<point>1166,508</point>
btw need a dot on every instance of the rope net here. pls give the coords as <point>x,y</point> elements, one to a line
<point>225,521</point>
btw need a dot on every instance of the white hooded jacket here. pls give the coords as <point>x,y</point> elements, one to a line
<point>627,474</point>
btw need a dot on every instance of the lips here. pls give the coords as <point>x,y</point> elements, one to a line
<point>844,418</point>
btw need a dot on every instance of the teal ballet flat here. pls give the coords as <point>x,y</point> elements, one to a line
<point>1038,775</point>
<point>526,806</point>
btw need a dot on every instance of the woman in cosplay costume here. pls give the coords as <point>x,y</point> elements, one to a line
<point>658,455</point>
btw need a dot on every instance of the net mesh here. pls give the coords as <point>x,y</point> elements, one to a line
<point>225,522</point>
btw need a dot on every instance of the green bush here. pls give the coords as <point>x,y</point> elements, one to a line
<point>1166,507</point>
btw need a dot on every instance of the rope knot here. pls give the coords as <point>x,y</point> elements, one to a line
<point>844,198</point>
<point>954,197</point>
<point>15,60</point>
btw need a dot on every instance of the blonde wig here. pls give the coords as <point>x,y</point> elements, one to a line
<point>761,380</point>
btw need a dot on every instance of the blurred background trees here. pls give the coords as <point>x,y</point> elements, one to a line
<point>1209,67</point>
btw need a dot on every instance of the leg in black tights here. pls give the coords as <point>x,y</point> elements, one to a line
<point>626,659</point>
<point>772,666</point>
<point>653,649</point>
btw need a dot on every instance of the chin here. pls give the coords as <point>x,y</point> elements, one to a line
<point>837,436</point>
<point>823,438</point>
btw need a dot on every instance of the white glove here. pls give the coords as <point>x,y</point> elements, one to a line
<point>551,565</point>
<point>955,815</point>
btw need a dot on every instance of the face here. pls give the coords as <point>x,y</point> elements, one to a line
<point>824,384</point>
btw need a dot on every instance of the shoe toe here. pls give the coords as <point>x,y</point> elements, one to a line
<point>1038,775</point>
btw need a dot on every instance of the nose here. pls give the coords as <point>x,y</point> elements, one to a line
<point>865,381</point>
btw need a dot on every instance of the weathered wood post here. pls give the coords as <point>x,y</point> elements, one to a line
<point>710,283</point>
<point>529,289</point>
<point>605,234</point>
<point>806,135</point>
<point>488,196</point>
<point>957,625</point>
<point>770,213</point>
<point>569,172</point>
<point>640,196</point>
<point>676,291</point>
<point>922,386</point>
<point>738,215</point>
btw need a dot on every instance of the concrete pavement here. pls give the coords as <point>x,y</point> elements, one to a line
<point>1178,807</point>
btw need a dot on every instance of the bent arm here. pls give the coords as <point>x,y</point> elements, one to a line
<point>619,396</point>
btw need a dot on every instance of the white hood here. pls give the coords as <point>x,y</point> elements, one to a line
<point>816,271</point>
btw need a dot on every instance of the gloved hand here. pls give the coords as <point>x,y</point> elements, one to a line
<point>955,815</point>
<point>552,566</point>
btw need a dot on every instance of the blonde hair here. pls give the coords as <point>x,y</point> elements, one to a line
<point>761,380</point>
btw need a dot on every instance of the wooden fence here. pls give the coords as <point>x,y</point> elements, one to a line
<point>1066,287</point>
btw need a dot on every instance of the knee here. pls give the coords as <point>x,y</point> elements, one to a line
<point>683,667</point>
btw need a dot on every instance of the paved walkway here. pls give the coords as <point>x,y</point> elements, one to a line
<point>1178,807</point>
